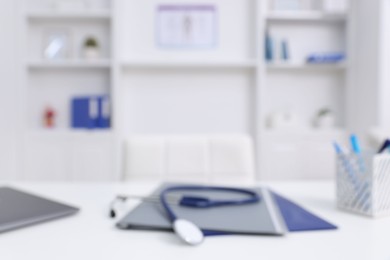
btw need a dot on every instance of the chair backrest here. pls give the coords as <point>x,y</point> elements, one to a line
<point>190,158</point>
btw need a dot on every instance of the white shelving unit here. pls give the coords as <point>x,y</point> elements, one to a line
<point>63,153</point>
<point>228,89</point>
<point>75,64</point>
<point>304,16</point>
<point>305,66</point>
<point>303,88</point>
<point>86,15</point>
<point>190,64</point>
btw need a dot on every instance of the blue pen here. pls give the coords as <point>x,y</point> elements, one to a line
<point>384,146</point>
<point>345,161</point>
<point>357,150</point>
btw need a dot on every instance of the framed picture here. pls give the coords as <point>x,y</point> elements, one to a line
<point>186,26</point>
<point>56,44</point>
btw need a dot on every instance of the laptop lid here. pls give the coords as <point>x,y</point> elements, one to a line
<point>19,209</point>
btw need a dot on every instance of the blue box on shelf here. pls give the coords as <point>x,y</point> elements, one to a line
<point>90,112</point>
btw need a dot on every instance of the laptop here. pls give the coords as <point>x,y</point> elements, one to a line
<point>20,209</point>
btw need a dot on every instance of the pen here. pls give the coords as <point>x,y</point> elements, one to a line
<point>357,150</point>
<point>347,166</point>
<point>384,146</point>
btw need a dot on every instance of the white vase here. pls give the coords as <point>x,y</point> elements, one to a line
<point>91,53</point>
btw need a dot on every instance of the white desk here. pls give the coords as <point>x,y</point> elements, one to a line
<point>91,235</point>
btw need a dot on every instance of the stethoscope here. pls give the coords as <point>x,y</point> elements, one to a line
<point>186,230</point>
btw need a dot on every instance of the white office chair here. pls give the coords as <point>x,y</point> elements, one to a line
<point>190,158</point>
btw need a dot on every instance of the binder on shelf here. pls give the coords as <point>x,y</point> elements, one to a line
<point>91,112</point>
<point>104,112</point>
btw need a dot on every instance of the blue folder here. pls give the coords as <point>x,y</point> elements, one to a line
<point>91,112</point>
<point>82,116</point>
<point>299,219</point>
<point>104,112</point>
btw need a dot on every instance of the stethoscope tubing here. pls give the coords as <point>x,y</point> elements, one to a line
<point>253,198</point>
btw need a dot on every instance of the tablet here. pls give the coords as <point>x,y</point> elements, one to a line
<point>19,209</point>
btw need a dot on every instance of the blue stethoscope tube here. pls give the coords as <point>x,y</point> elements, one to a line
<point>183,228</point>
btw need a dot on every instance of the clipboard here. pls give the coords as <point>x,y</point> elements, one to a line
<point>274,215</point>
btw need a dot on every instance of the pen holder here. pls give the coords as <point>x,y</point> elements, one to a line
<point>363,184</point>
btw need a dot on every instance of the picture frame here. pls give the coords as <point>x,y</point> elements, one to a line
<point>186,26</point>
<point>56,44</point>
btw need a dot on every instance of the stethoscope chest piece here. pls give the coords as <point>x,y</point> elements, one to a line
<point>188,232</point>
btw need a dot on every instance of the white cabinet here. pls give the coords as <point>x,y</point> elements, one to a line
<point>9,107</point>
<point>70,157</point>
<point>299,155</point>
<point>8,157</point>
<point>92,160</point>
<point>45,159</point>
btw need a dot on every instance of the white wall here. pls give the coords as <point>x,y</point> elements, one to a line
<point>364,95</point>
<point>384,69</point>
<point>235,37</point>
<point>9,107</point>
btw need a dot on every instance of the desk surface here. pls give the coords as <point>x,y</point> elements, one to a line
<point>91,234</point>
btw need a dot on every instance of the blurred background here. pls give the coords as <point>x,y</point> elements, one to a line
<point>110,90</point>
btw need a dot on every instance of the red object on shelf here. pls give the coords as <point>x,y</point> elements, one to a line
<point>49,117</point>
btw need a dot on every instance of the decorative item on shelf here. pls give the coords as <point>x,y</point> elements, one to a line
<point>325,57</point>
<point>91,48</point>
<point>269,48</point>
<point>49,116</point>
<point>335,6</point>
<point>285,120</point>
<point>56,44</point>
<point>325,119</point>
<point>285,52</point>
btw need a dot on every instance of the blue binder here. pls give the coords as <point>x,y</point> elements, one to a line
<point>91,112</point>
<point>104,112</point>
<point>85,112</point>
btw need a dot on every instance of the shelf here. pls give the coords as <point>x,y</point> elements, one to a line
<point>306,66</point>
<point>65,134</point>
<point>69,64</point>
<point>47,15</point>
<point>302,16</point>
<point>306,132</point>
<point>190,64</point>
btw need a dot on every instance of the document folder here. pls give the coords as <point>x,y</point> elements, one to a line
<point>274,215</point>
<point>260,218</point>
<point>299,219</point>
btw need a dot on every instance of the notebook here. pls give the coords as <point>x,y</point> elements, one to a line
<point>19,209</point>
<point>274,215</point>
